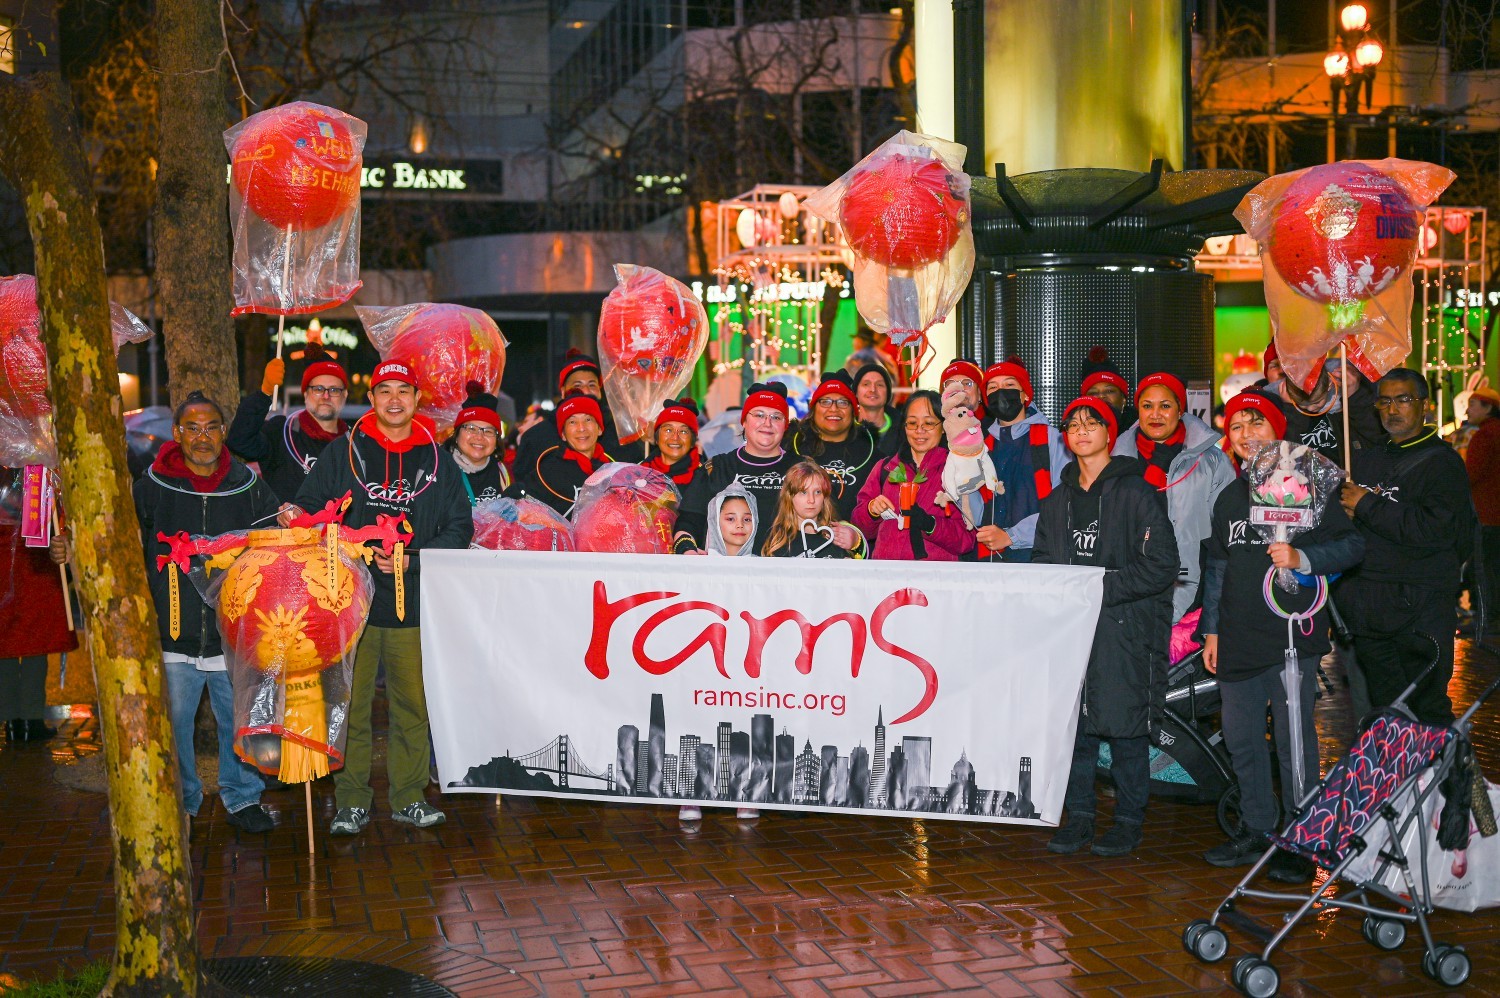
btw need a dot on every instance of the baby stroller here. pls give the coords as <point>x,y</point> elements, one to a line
<point>1331,828</point>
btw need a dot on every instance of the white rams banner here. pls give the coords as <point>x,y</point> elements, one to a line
<point>899,688</point>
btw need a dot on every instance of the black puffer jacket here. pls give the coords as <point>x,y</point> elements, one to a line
<point>167,504</point>
<point>1124,689</point>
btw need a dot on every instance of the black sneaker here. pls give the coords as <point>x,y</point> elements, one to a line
<point>251,819</point>
<point>349,821</point>
<point>1072,837</point>
<point>1242,850</point>
<point>1289,868</point>
<point>1120,840</point>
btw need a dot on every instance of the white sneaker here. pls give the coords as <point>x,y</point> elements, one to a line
<point>747,813</point>
<point>690,814</point>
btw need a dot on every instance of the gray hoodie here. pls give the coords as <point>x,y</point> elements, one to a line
<point>715,539</point>
<point>1197,476</point>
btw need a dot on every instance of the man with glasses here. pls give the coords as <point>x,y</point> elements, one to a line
<point>1410,500</point>
<point>196,487</point>
<point>844,446</point>
<point>287,447</point>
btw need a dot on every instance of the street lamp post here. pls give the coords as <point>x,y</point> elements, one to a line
<point>1350,66</point>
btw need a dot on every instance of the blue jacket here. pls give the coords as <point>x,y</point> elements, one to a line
<point>1015,511</point>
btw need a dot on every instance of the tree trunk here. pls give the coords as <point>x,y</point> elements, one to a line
<point>42,157</point>
<point>192,208</point>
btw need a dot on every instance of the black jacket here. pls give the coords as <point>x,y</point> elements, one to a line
<point>762,479</point>
<point>848,462</point>
<point>553,479</point>
<point>544,435</point>
<point>167,505</point>
<point>1251,636</point>
<point>285,453</point>
<point>1420,517</point>
<point>1124,689</point>
<point>1325,433</point>
<point>422,482</point>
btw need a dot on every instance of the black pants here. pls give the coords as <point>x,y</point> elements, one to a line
<point>1392,624</point>
<point>1489,578</point>
<point>1243,716</point>
<point>1131,767</point>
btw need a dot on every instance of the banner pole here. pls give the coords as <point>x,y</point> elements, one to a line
<point>286,275</point>
<point>1344,387</point>
<point>307,787</point>
<point>62,571</point>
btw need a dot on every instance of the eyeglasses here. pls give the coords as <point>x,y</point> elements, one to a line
<point>965,383</point>
<point>923,424</point>
<point>482,431</point>
<point>766,417</point>
<point>1386,401</point>
<point>201,429</point>
<point>1081,425</point>
<point>328,391</point>
<point>831,403</point>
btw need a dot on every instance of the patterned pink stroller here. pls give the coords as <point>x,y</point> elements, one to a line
<point>1330,829</point>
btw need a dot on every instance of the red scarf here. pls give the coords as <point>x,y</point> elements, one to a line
<point>1158,454</point>
<point>372,430</point>
<point>171,461</point>
<point>693,460</point>
<point>313,431</point>
<point>586,463</point>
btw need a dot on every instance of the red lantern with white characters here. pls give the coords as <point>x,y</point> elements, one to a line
<point>447,345</point>
<point>294,205</point>
<point>627,509</point>
<point>904,212</point>
<point>652,330</point>
<point>26,435</point>
<point>1337,246</point>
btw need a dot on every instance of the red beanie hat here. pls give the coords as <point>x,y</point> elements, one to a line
<point>962,369</point>
<point>1099,408</point>
<point>1011,368</point>
<point>1105,378</point>
<point>576,360</point>
<point>765,396</point>
<point>478,414</point>
<point>684,411</point>
<point>1263,404</point>
<point>393,370</point>
<point>1170,382</point>
<point>318,365</point>
<point>578,405</point>
<point>1267,357</point>
<point>835,383</point>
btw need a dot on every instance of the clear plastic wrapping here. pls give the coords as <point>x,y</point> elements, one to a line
<point>904,212</point>
<point>626,508</point>
<point>652,330</point>
<point>1337,245</point>
<point>1290,487</point>
<point>524,524</point>
<point>26,435</point>
<point>447,345</point>
<point>294,207</point>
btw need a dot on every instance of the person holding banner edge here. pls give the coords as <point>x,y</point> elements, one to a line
<point>1105,514</point>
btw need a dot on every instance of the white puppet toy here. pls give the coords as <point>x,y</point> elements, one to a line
<point>968,468</point>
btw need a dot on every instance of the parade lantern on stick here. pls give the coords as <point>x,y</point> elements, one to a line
<point>1337,245</point>
<point>652,330</point>
<point>449,346</point>
<point>627,509</point>
<point>904,211</point>
<point>26,435</point>
<point>523,524</point>
<point>294,207</point>
<point>291,606</point>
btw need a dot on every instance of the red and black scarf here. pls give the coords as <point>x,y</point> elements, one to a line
<point>171,461</point>
<point>1159,454</point>
<point>694,461</point>
<point>586,462</point>
<point>313,431</point>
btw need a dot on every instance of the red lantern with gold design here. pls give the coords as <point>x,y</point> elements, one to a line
<point>448,346</point>
<point>289,627</point>
<point>297,166</point>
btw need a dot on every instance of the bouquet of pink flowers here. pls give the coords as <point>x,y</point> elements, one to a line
<point>1290,486</point>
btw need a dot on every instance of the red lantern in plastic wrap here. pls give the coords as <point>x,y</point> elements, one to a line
<point>25,411</point>
<point>902,212</point>
<point>286,626</point>
<point>297,165</point>
<point>524,524</point>
<point>626,509</point>
<point>652,330</point>
<point>447,345</point>
<point>1344,232</point>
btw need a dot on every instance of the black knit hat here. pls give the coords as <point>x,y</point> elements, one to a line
<point>1096,360</point>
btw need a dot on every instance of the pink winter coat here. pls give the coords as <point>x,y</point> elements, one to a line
<point>949,538</point>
